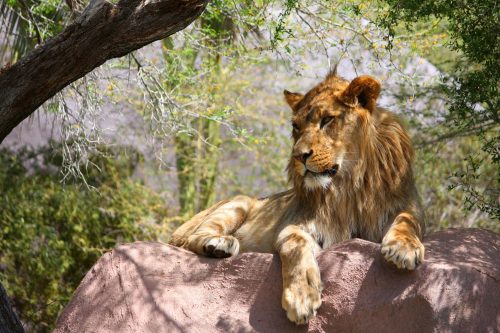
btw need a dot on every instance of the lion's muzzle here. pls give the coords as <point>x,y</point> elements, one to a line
<point>329,172</point>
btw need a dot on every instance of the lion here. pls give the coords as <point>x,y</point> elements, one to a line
<point>351,176</point>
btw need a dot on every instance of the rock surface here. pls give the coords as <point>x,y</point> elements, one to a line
<point>152,287</point>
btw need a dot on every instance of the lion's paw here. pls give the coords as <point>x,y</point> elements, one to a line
<point>221,246</point>
<point>403,251</point>
<point>302,298</point>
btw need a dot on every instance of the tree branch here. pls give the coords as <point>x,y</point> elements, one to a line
<point>8,319</point>
<point>457,133</point>
<point>33,21</point>
<point>103,31</point>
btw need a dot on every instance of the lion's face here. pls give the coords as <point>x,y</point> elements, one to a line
<point>326,125</point>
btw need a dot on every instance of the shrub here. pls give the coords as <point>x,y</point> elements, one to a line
<point>52,233</point>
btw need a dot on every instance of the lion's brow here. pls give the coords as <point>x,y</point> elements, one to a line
<point>311,113</point>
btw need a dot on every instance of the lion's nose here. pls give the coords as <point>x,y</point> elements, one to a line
<point>302,155</point>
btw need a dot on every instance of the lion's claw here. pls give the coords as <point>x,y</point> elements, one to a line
<point>302,297</point>
<point>221,246</point>
<point>301,303</point>
<point>403,253</point>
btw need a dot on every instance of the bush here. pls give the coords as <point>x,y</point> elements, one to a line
<point>52,233</point>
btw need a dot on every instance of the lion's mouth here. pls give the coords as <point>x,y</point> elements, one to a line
<point>329,172</point>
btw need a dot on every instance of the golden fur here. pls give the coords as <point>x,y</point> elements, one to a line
<point>352,177</point>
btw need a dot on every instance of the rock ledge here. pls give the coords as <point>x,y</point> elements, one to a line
<point>153,287</point>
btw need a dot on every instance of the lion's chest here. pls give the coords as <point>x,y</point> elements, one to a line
<point>337,225</point>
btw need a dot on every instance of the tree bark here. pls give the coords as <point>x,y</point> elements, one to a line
<point>8,319</point>
<point>103,31</point>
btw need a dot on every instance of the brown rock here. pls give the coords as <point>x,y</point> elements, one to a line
<point>152,287</point>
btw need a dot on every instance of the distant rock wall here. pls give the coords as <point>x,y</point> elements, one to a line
<point>152,287</point>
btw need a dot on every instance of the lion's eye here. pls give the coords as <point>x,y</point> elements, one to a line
<point>325,121</point>
<point>295,127</point>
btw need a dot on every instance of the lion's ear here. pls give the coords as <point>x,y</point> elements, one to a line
<point>292,98</point>
<point>363,90</point>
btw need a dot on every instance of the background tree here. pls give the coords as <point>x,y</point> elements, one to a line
<point>197,151</point>
<point>102,32</point>
<point>470,84</point>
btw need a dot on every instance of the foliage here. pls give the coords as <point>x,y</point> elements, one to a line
<point>196,65</point>
<point>51,234</point>
<point>32,22</point>
<point>444,208</point>
<point>472,84</point>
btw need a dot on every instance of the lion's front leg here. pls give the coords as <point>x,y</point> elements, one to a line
<point>211,234</point>
<point>301,277</point>
<point>401,244</point>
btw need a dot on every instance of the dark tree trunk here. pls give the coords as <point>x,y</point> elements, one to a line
<point>8,319</point>
<point>103,31</point>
